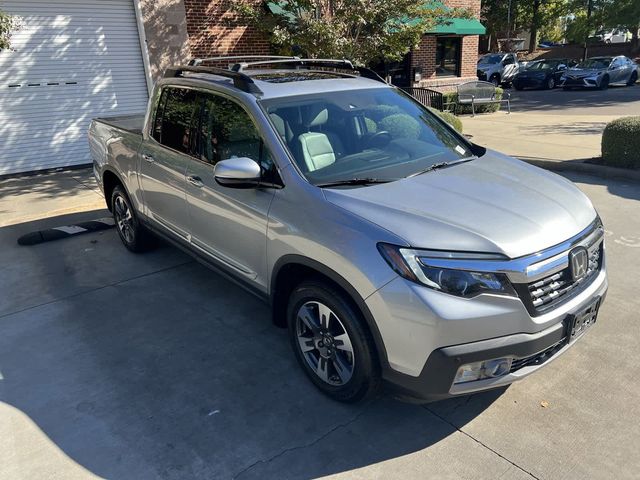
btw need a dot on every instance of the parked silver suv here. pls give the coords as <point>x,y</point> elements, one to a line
<point>390,246</point>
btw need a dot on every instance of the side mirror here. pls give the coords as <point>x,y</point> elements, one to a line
<point>240,172</point>
<point>562,66</point>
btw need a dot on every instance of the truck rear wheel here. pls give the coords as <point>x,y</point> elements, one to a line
<point>133,235</point>
<point>331,343</point>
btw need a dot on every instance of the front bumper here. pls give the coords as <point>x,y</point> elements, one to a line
<point>531,351</point>
<point>582,82</point>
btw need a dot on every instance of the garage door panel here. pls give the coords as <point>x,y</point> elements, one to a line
<point>74,60</point>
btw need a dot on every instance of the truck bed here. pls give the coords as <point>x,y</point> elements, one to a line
<point>129,123</point>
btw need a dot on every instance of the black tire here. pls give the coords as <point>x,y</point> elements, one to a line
<point>495,79</point>
<point>550,83</point>
<point>361,360</point>
<point>604,83</point>
<point>133,235</point>
<point>633,79</point>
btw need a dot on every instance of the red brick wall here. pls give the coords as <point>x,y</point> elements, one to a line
<point>425,55</point>
<point>214,30</point>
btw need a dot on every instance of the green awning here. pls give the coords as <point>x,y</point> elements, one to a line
<point>449,26</point>
<point>460,26</point>
<point>276,9</point>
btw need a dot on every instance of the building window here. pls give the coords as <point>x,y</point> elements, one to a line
<point>448,56</point>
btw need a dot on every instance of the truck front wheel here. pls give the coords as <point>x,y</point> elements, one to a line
<point>133,235</point>
<point>331,343</point>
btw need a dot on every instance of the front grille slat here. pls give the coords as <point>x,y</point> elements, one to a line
<point>553,289</point>
<point>538,358</point>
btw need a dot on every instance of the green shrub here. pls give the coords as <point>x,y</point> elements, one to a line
<point>450,118</point>
<point>400,125</point>
<point>451,98</point>
<point>621,143</point>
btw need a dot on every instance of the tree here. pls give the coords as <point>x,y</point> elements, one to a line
<point>8,25</point>
<point>364,31</point>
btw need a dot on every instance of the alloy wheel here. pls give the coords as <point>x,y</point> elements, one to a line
<point>124,218</point>
<point>551,83</point>
<point>324,343</point>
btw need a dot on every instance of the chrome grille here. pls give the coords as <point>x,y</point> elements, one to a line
<point>554,288</point>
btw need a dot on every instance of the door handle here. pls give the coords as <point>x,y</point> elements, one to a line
<point>195,181</point>
<point>148,158</point>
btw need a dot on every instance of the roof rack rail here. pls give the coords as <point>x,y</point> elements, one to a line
<point>198,61</point>
<point>240,80</point>
<point>298,62</point>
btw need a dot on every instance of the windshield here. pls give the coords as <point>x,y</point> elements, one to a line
<point>378,133</point>
<point>490,59</point>
<point>595,63</point>
<point>543,65</point>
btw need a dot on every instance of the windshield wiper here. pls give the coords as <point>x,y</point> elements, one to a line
<point>437,166</point>
<point>352,181</point>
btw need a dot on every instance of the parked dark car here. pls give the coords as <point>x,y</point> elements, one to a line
<point>542,73</point>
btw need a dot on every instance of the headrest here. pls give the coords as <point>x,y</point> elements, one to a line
<point>315,116</point>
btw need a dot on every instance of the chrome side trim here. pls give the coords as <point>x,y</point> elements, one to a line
<point>529,268</point>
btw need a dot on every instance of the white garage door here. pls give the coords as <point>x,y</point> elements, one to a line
<point>73,60</point>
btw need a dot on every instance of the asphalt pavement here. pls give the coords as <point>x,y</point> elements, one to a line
<point>150,366</point>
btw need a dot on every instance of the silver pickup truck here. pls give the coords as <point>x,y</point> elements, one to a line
<point>390,246</point>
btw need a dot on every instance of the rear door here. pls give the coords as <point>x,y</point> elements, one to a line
<point>229,224</point>
<point>164,157</point>
<point>617,71</point>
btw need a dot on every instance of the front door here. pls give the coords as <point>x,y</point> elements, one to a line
<point>164,159</point>
<point>228,224</point>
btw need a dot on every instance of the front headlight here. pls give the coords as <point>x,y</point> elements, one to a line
<point>415,265</point>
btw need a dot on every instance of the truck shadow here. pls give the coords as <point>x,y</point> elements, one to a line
<point>153,366</point>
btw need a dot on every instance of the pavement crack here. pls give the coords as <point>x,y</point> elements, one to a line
<point>426,407</point>
<point>284,451</point>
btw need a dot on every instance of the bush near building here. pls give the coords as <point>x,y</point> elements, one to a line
<point>621,143</point>
<point>450,118</point>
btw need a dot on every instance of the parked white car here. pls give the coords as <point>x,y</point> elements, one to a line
<point>498,68</point>
<point>616,35</point>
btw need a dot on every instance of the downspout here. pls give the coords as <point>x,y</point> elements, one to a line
<point>143,47</point>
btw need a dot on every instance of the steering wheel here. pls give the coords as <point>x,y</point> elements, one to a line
<point>379,139</point>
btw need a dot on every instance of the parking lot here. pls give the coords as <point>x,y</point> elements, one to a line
<point>616,100</point>
<point>124,366</point>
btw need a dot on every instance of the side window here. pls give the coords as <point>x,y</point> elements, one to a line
<point>227,131</point>
<point>174,127</point>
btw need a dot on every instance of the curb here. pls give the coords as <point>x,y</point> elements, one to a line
<point>581,166</point>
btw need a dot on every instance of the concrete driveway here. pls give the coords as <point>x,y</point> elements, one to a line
<point>149,366</point>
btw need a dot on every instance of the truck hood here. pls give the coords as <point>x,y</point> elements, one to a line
<point>493,204</point>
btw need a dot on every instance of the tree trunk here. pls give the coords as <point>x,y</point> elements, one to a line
<point>535,21</point>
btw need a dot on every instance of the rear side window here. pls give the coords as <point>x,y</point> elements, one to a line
<point>175,119</point>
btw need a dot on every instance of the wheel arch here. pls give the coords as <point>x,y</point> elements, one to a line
<point>110,178</point>
<point>290,270</point>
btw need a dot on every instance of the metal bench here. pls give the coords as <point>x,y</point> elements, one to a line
<point>480,93</point>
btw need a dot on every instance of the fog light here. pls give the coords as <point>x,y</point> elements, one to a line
<point>481,370</point>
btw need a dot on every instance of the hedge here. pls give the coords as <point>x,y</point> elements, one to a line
<point>621,143</point>
<point>451,98</point>
<point>400,125</point>
<point>450,118</point>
